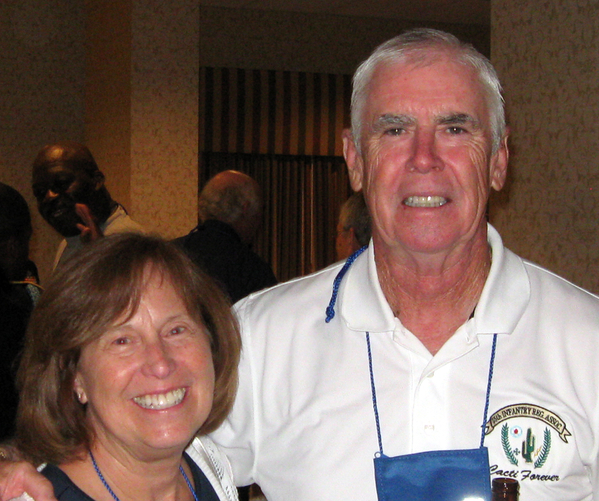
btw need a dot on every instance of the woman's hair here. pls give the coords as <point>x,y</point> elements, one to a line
<point>96,287</point>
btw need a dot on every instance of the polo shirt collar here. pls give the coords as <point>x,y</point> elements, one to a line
<point>363,307</point>
<point>506,293</point>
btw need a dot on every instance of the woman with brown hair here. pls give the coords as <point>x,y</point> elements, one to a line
<point>130,353</point>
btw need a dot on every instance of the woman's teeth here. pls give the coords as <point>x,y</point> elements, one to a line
<point>162,401</point>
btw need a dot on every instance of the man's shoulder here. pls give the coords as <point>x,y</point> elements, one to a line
<point>121,222</point>
<point>312,290</point>
<point>211,237</point>
<point>516,281</point>
<point>557,287</point>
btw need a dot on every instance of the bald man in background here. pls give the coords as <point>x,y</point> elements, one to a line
<point>230,215</point>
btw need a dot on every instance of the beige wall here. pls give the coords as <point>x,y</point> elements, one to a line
<point>41,94</point>
<point>142,114</point>
<point>108,92</point>
<point>164,115</point>
<point>548,60</point>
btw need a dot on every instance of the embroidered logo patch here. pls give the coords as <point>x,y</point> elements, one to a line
<point>527,433</point>
<point>532,411</point>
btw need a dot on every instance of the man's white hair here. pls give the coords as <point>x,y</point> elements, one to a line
<point>420,45</point>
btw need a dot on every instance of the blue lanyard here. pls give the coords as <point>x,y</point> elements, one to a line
<point>330,311</point>
<point>330,314</point>
<point>374,402</point>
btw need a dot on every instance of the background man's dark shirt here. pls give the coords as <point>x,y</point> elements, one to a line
<point>216,248</point>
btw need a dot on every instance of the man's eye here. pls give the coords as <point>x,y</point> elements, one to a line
<point>39,192</point>
<point>122,341</point>
<point>62,185</point>
<point>395,131</point>
<point>455,130</point>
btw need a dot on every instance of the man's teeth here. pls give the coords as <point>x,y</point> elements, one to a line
<point>163,401</point>
<point>429,201</point>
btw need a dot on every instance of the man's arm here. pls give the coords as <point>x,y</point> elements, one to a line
<point>19,477</point>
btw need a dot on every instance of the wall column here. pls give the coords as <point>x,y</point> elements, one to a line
<point>547,56</point>
<point>142,107</point>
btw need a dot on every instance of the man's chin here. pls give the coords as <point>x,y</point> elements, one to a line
<point>66,230</point>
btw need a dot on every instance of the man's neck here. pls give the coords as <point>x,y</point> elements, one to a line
<point>434,299</point>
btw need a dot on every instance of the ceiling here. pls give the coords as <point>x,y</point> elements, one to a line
<point>476,12</point>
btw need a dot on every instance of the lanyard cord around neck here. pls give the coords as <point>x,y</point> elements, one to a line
<point>115,497</point>
<point>375,406</point>
<point>330,314</point>
<point>330,311</point>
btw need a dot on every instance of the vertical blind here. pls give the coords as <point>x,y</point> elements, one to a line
<point>273,112</point>
<point>302,196</point>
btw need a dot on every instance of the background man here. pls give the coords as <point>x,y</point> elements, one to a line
<point>73,199</point>
<point>19,291</point>
<point>353,228</point>
<point>230,213</point>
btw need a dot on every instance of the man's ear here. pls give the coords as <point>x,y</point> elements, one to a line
<point>353,160</point>
<point>98,180</point>
<point>499,162</point>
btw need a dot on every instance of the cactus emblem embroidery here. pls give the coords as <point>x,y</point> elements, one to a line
<point>522,448</point>
<point>529,452</point>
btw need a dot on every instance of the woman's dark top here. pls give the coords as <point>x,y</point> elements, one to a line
<point>66,490</point>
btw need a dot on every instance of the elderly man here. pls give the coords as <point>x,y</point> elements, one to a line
<point>230,213</point>
<point>393,355</point>
<point>73,199</point>
<point>437,352</point>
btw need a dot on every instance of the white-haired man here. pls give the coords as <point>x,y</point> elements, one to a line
<point>230,213</point>
<point>393,356</point>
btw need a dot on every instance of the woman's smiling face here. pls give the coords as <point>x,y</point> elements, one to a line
<point>148,381</point>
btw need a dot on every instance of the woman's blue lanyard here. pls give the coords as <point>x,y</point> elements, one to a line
<point>330,314</point>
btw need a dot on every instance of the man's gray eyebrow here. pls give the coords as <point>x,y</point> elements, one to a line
<point>389,119</point>
<point>458,118</point>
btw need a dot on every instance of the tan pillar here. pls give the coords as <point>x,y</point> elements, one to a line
<point>142,107</point>
<point>547,55</point>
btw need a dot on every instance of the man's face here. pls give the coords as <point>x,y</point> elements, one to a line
<point>426,164</point>
<point>57,190</point>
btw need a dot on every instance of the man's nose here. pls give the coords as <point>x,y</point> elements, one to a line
<point>50,195</point>
<point>424,156</point>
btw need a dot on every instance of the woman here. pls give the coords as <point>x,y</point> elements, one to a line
<point>130,352</point>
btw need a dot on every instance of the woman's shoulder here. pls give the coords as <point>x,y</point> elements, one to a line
<point>214,465</point>
<point>204,490</point>
<point>64,488</point>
